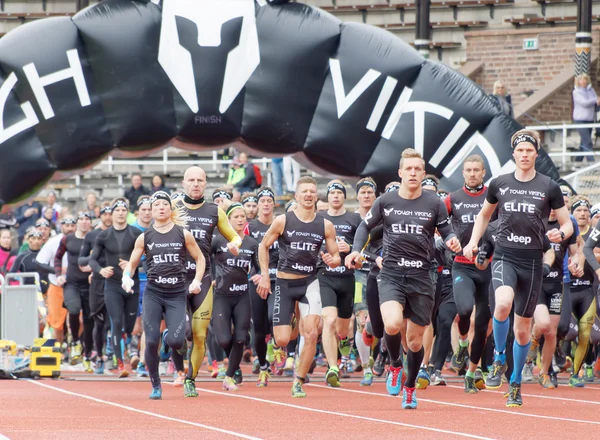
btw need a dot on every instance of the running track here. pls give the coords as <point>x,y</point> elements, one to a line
<point>113,409</point>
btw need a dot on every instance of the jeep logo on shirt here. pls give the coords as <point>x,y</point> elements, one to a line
<point>163,280</point>
<point>339,269</point>
<point>238,288</point>
<point>518,238</point>
<point>410,263</point>
<point>303,268</point>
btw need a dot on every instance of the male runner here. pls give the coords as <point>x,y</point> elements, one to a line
<point>471,285</point>
<point>524,200</point>
<point>300,233</point>
<point>202,219</point>
<point>337,284</point>
<point>410,218</point>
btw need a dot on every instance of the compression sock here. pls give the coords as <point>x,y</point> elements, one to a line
<point>413,361</point>
<point>501,329</point>
<point>519,358</point>
<point>393,346</point>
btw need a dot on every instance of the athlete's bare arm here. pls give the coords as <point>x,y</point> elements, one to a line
<point>136,255</point>
<point>566,226</point>
<point>332,257</point>
<point>227,231</point>
<point>276,229</point>
<point>481,223</point>
<point>194,252</point>
<point>549,257</point>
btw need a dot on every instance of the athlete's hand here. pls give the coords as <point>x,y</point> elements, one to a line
<point>264,287</point>
<point>327,258</point>
<point>195,287</point>
<point>123,263</point>
<point>256,279</point>
<point>454,245</point>
<point>233,248</point>
<point>469,250</point>
<point>85,269</point>
<point>354,260</point>
<point>127,284</point>
<point>379,261</point>
<point>107,272</point>
<point>554,236</point>
<point>61,280</point>
<point>343,247</point>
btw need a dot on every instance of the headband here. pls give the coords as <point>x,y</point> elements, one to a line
<point>119,204</point>
<point>160,195</point>
<point>233,207</point>
<point>68,221</point>
<point>221,193</point>
<point>336,185</point>
<point>35,233</point>
<point>394,187</point>
<point>525,138</point>
<point>84,214</point>
<point>594,211</point>
<point>429,182</point>
<point>265,193</point>
<point>142,201</point>
<point>578,203</point>
<point>566,193</point>
<point>249,199</point>
<point>105,210</point>
<point>42,222</point>
<point>359,185</point>
<point>442,194</point>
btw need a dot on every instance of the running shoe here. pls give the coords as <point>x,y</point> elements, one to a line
<point>99,367</point>
<point>379,365</point>
<point>479,380</point>
<point>470,387</point>
<point>263,378</point>
<point>569,364</point>
<point>279,361</point>
<point>545,381</point>
<point>229,384</point>
<point>141,370</point>
<point>215,370</point>
<point>75,353</point>
<point>123,372</point>
<point>221,373</point>
<point>423,379</point>
<point>514,396</point>
<point>238,377</point>
<point>288,368</point>
<point>179,379</point>
<point>554,378</point>
<point>165,350</point>
<point>367,379</point>
<point>344,370</point>
<point>409,398</point>
<point>333,377</point>
<point>256,366</point>
<point>87,365</point>
<point>156,393</point>
<point>576,381</point>
<point>270,352</point>
<point>394,381</point>
<point>437,379</point>
<point>134,361</point>
<point>527,372</point>
<point>297,390</point>
<point>189,388</point>
<point>495,377</point>
<point>459,358</point>
<point>588,373</point>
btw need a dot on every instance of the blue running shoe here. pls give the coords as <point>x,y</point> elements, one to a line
<point>165,350</point>
<point>393,382</point>
<point>423,379</point>
<point>156,393</point>
<point>409,398</point>
<point>99,367</point>
<point>141,370</point>
<point>367,380</point>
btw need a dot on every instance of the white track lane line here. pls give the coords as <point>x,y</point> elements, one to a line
<point>147,413</point>
<point>536,395</point>
<point>460,405</point>
<point>352,416</point>
<point>3,437</point>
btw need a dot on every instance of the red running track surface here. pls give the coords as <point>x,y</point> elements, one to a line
<point>64,410</point>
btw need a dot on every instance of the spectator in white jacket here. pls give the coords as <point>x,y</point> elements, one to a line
<point>585,101</point>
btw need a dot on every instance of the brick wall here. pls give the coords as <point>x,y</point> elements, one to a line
<point>526,71</point>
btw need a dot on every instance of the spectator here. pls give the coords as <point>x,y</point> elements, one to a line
<point>136,190</point>
<point>26,216</point>
<point>91,204</point>
<point>51,216</point>
<point>158,184</point>
<point>585,101</point>
<point>291,172</point>
<point>248,182</point>
<point>277,168</point>
<point>501,99</point>
<point>5,248</point>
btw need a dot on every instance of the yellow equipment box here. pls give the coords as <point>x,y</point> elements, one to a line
<point>45,362</point>
<point>10,346</point>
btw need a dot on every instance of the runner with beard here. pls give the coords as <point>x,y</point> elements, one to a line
<point>300,233</point>
<point>410,218</point>
<point>262,309</point>
<point>250,202</point>
<point>97,304</point>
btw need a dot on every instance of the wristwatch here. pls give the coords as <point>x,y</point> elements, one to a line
<point>562,234</point>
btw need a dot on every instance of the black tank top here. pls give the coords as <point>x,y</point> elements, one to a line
<point>257,230</point>
<point>299,245</point>
<point>201,222</point>
<point>165,258</point>
<point>345,227</point>
<point>587,280</point>
<point>463,208</point>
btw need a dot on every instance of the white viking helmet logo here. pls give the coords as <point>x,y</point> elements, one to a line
<point>209,16</point>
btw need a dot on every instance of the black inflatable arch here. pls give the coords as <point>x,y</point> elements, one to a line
<point>128,77</point>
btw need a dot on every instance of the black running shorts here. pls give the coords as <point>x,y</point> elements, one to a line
<point>415,293</point>
<point>551,297</point>
<point>287,292</point>
<point>337,292</point>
